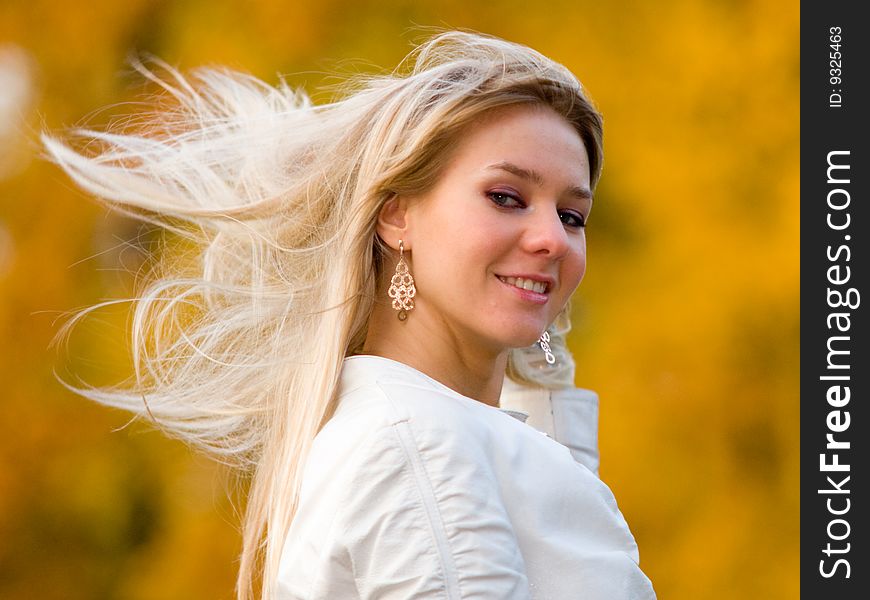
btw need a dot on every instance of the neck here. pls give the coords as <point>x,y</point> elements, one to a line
<point>429,346</point>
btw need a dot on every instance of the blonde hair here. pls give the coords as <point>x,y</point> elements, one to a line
<point>238,344</point>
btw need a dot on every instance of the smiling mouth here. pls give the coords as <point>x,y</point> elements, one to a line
<point>531,285</point>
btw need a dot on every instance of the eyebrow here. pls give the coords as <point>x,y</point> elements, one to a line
<point>582,193</point>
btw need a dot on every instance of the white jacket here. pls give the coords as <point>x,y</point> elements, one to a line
<point>413,491</point>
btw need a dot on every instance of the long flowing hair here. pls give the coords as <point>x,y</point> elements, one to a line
<point>238,341</point>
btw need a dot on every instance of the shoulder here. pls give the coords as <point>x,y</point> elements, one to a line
<point>396,426</point>
<point>420,486</point>
<point>376,392</point>
<point>397,429</point>
<point>381,401</point>
<point>385,405</point>
<point>403,431</point>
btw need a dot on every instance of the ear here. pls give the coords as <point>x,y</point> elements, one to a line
<point>393,222</point>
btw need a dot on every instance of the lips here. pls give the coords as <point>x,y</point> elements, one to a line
<point>527,283</point>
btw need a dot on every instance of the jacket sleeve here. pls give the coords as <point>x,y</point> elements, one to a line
<point>423,519</point>
<point>568,415</point>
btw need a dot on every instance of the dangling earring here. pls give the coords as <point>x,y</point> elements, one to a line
<point>545,346</point>
<point>402,289</point>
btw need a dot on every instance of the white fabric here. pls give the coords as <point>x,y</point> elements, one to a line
<point>569,416</point>
<point>413,491</point>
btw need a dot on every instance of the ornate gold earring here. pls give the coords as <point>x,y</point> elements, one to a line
<point>402,289</point>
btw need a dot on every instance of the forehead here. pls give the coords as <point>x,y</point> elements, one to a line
<point>532,136</point>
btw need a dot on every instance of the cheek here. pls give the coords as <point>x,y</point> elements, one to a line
<point>468,241</point>
<point>573,269</point>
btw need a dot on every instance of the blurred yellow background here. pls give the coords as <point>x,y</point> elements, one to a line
<point>687,324</point>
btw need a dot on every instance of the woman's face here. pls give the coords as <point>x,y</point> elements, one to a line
<point>497,247</point>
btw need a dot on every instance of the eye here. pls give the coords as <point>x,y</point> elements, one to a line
<point>572,219</point>
<point>505,199</point>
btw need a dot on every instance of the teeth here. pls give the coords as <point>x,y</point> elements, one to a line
<point>526,284</point>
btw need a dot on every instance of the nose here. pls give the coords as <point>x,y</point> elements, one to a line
<point>545,234</point>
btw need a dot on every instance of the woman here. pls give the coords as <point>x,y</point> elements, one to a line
<point>367,273</point>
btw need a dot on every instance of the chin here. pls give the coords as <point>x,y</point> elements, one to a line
<point>527,337</point>
<point>518,331</point>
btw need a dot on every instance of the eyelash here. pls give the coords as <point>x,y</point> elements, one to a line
<point>579,220</point>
